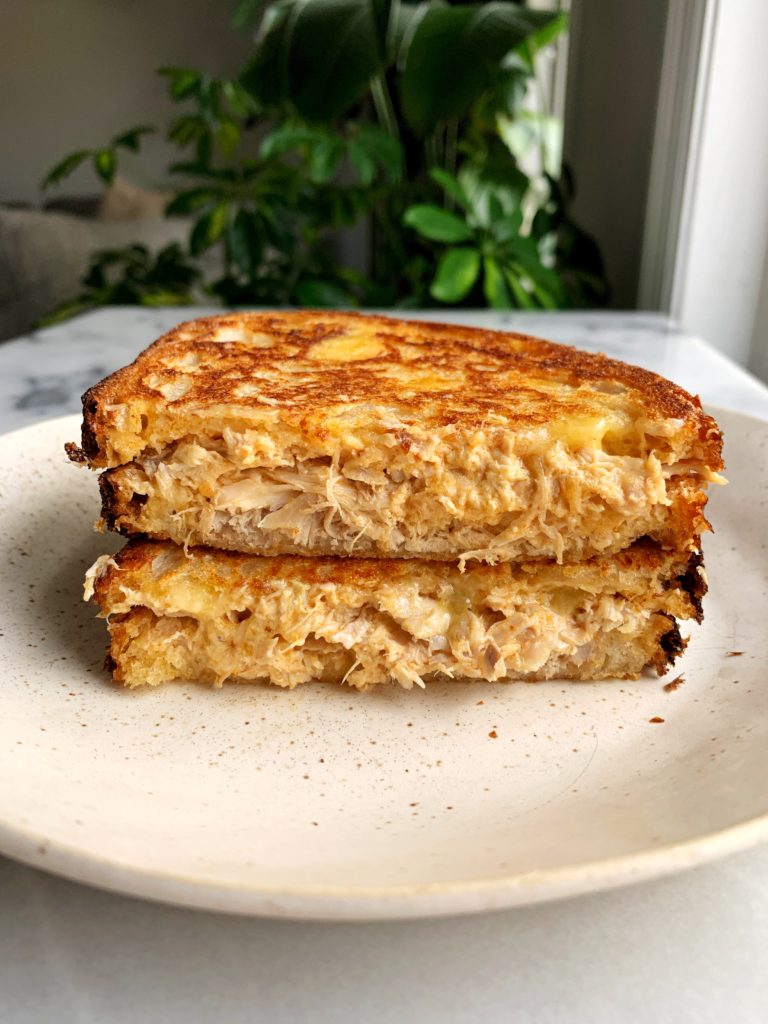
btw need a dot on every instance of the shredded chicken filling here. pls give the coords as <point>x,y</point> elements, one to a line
<point>293,637</point>
<point>524,504</point>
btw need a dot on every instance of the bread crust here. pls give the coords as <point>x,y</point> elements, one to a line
<point>642,568</point>
<point>315,373</point>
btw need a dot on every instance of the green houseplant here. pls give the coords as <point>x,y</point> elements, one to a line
<point>410,121</point>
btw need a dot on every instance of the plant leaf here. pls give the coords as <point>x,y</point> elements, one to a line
<point>132,138</point>
<point>362,161</point>
<point>509,87</point>
<point>208,229</point>
<point>64,168</point>
<point>546,34</point>
<point>495,209</point>
<point>286,138</point>
<point>194,169</point>
<point>546,299</point>
<point>105,164</point>
<point>191,199</point>
<point>525,252</point>
<point>504,181</point>
<point>494,286</point>
<point>312,291</point>
<point>403,21</point>
<point>507,226</point>
<point>187,129</point>
<point>325,156</point>
<point>323,149</point>
<point>210,96</point>
<point>317,55</point>
<point>549,32</point>
<point>451,185</point>
<point>385,150</point>
<point>182,82</point>
<point>522,298</point>
<point>437,224</point>
<point>539,296</point>
<point>246,12</point>
<point>455,53</point>
<point>228,137</point>
<point>456,274</point>
<point>240,101</point>
<point>245,241</point>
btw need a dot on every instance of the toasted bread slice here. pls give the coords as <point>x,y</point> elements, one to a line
<point>328,432</point>
<point>215,616</point>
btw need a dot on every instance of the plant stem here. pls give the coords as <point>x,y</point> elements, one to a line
<point>382,102</point>
<point>543,111</point>
<point>431,149</point>
<point>451,146</point>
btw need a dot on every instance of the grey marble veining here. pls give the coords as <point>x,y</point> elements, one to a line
<point>43,374</point>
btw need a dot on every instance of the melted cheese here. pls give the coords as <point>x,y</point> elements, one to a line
<point>346,348</point>
<point>591,432</point>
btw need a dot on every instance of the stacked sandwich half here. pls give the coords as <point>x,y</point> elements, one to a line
<point>329,496</point>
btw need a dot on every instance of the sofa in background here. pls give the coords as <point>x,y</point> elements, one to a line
<point>44,253</point>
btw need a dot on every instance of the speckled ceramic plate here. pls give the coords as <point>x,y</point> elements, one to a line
<point>326,803</point>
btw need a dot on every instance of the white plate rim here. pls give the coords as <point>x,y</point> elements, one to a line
<point>369,903</point>
<point>385,902</point>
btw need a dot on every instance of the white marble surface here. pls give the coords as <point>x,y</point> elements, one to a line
<point>689,948</point>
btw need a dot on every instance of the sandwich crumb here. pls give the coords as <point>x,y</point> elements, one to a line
<point>674,684</point>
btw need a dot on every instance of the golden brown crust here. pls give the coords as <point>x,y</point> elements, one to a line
<point>641,567</point>
<point>693,582</point>
<point>303,365</point>
<point>671,646</point>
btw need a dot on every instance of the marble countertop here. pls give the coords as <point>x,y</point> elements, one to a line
<point>686,948</point>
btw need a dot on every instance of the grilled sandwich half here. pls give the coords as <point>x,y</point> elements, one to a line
<point>334,433</point>
<point>215,616</point>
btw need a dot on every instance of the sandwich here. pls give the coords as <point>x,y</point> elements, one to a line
<point>219,616</point>
<point>330,433</point>
<point>356,499</point>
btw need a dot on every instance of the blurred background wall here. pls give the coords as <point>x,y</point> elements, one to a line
<point>77,71</point>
